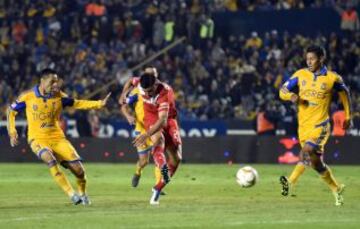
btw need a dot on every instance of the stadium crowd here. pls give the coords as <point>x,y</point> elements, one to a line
<point>93,42</point>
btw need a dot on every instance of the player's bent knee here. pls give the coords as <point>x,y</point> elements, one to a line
<point>307,149</point>
<point>143,162</point>
<point>158,139</point>
<point>46,155</point>
<point>320,168</point>
<point>51,163</point>
<point>80,173</point>
<point>318,164</point>
<point>77,169</point>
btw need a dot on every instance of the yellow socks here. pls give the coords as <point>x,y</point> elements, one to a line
<point>157,174</point>
<point>61,180</point>
<point>329,179</point>
<point>138,170</point>
<point>296,173</point>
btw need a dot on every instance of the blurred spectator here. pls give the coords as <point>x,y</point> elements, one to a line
<point>254,41</point>
<point>349,17</point>
<point>95,8</point>
<point>225,77</point>
<point>338,119</point>
<point>169,29</point>
<point>266,120</point>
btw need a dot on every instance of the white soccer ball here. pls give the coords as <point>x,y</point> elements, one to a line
<point>247,176</point>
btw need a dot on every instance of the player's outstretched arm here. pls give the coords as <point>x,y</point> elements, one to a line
<point>344,94</point>
<point>128,86</point>
<point>14,138</point>
<point>125,111</point>
<point>18,106</point>
<point>85,104</point>
<point>346,101</point>
<point>125,108</point>
<point>106,99</point>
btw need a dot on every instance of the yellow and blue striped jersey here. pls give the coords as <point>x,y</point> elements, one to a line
<point>43,112</point>
<point>316,92</point>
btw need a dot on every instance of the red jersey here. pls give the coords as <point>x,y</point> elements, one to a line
<point>164,100</point>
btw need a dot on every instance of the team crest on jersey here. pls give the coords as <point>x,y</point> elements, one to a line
<point>35,107</point>
<point>303,83</point>
<point>323,86</point>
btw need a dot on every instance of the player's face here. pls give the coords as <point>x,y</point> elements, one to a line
<point>313,62</point>
<point>57,86</point>
<point>50,84</point>
<point>150,91</point>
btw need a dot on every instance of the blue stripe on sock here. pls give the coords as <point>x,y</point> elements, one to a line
<point>52,163</point>
<point>43,151</point>
<point>145,151</point>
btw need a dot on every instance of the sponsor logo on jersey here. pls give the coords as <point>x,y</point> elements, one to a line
<point>310,93</point>
<point>323,86</point>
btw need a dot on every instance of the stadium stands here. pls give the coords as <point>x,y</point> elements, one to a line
<point>93,42</point>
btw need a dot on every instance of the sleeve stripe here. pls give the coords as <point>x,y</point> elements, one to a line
<point>130,100</point>
<point>18,106</point>
<point>291,83</point>
<point>340,86</point>
<point>67,102</point>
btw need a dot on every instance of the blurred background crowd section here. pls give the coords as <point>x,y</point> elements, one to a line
<point>214,77</point>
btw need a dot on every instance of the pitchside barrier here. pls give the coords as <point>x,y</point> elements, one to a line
<point>222,149</point>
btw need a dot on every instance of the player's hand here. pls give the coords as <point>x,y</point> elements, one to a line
<point>130,119</point>
<point>14,140</point>
<point>122,99</point>
<point>303,102</point>
<point>294,98</point>
<point>105,100</point>
<point>348,123</point>
<point>140,140</point>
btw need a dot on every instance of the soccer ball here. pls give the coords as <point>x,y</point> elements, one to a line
<point>247,176</point>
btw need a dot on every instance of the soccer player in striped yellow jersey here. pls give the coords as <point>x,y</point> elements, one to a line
<point>43,105</point>
<point>311,89</point>
<point>135,101</point>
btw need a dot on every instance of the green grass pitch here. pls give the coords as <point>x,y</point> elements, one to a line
<point>200,196</point>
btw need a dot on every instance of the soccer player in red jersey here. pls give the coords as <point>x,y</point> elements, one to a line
<point>161,126</point>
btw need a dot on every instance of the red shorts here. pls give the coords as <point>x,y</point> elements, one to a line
<point>172,134</point>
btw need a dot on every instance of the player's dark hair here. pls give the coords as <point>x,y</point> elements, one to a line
<point>147,80</point>
<point>319,51</point>
<point>45,73</point>
<point>149,66</point>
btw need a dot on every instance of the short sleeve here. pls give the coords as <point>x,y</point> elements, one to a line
<point>163,101</point>
<point>339,84</point>
<point>292,83</point>
<point>20,103</point>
